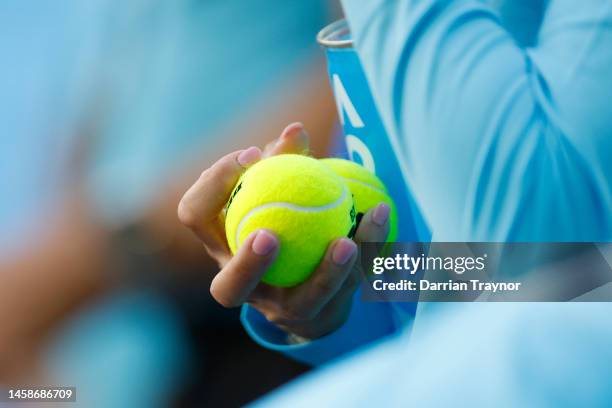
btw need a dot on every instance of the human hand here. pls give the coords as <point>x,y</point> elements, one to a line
<point>310,310</point>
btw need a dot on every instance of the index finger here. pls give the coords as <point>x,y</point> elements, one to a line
<point>202,203</point>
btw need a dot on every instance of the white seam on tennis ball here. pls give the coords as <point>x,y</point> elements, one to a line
<point>289,206</point>
<point>365,184</point>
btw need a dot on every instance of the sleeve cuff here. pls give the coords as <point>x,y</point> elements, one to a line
<point>367,322</point>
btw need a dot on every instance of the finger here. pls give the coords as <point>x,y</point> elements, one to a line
<point>331,316</point>
<point>200,207</point>
<point>309,298</point>
<point>338,309</point>
<point>232,286</point>
<point>374,226</point>
<point>354,279</point>
<point>293,139</point>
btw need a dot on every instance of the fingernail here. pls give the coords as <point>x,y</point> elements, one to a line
<point>293,127</point>
<point>249,156</point>
<point>343,251</point>
<point>264,243</point>
<point>381,214</point>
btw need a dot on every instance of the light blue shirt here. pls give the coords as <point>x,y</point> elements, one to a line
<point>501,142</point>
<point>504,124</point>
<point>478,355</point>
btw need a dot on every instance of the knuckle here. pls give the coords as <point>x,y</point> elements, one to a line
<point>186,215</point>
<point>204,174</point>
<point>222,299</point>
<point>210,175</point>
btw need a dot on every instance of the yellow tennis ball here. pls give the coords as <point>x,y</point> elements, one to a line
<point>367,189</point>
<point>299,199</point>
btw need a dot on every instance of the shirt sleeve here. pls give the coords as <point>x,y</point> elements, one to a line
<point>502,142</point>
<point>452,361</point>
<point>368,322</point>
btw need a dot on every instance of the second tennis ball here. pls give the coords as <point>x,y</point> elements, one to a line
<point>368,190</point>
<point>299,199</point>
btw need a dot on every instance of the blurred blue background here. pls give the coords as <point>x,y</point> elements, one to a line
<point>109,111</point>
